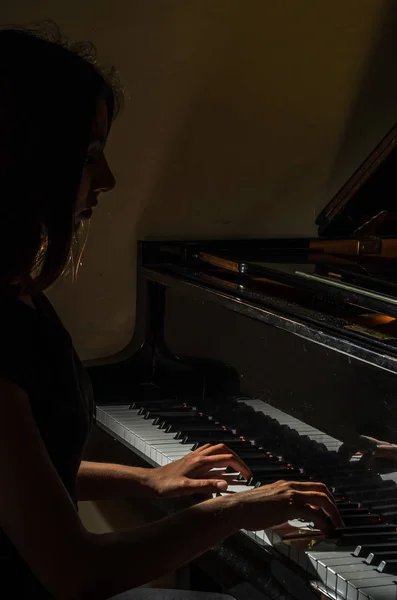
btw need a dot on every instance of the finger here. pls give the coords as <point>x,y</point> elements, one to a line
<point>203,486</point>
<point>310,515</point>
<point>218,449</point>
<point>314,486</point>
<point>222,449</point>
<point>231,478</point>
<point>373,441</point>
<point>367,459</point>
<point>202,448</point>
<point>389,451</point>
<point>320,500</point>
<point>345,452</point>
<point>222,460</point>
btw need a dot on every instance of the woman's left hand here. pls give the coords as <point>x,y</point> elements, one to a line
<point>192,473</point>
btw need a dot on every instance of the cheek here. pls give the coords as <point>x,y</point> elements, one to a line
<point>83,190</point>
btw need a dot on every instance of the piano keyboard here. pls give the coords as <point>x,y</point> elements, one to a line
<point>361,562</point>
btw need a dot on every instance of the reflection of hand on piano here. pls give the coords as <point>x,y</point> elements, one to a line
<point>370,448</point>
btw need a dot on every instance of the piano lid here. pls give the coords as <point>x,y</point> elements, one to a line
<point>367,204</point>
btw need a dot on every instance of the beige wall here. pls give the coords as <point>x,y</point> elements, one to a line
<point>244,117</point>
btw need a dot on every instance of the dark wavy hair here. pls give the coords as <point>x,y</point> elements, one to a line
<point>49,90</point>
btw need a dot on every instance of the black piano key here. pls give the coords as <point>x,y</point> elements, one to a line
<point>162,403</point>
<point>201,439</point>
<point>254,454</point>
<point>362,519</point>
<point>354,539</point>
<point>334,483</point>
<point>232,443</point>
<point>175,406</point>
<point>385,505</point>
<point>199,425</point>
<point>276,475</point>
<point>273,470</point>
<point>273,466</point>
<point>374,528</point>
<point>257,458</point>
<point>151,413</point>
<point>375,558</point>
<point>349,475</point>
<point>389,515</point>
<point>286,476</point>
<point>162,423</point>
<point>200,434</point>
<point>353,511</point>
<point>171,425</point>
<point>363,550</point>
<point>348,505</point>
<point>368,487</point>
<point>201,429</point>
<point>281,476</point>
<point>267,443</point>
<point>238,445</point>
<point>375,496</point>
<point>388,566</point>
<point>173,414</point>
<point>351,488</point>
<point>171,411</point>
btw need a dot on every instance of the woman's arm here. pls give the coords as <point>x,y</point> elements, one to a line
<point>102,481</point>
<point>40,519</point>
<point>189,475</point>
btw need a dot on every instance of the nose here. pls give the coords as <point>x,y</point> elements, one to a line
<point>105,180</point>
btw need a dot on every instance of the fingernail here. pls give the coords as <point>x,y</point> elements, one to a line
<point>222,485</point>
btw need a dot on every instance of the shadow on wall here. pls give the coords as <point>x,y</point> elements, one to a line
<point>255,152</point>
<point>374,109</point>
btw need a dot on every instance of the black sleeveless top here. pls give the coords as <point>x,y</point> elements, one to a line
<point>37,353</point>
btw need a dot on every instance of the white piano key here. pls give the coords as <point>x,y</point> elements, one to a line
<point>233,489</point>
<point>323,562</point>
<point>346,570</point>
<point>174,457</point>
<point>387,592</point>
<point>348,586</point>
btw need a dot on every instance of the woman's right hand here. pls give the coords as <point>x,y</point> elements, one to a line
<point>274,504</point>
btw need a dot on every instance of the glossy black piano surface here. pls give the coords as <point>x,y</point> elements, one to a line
<point>286,350</point>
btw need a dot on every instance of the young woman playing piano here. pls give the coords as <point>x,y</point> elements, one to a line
<point>56,110</point>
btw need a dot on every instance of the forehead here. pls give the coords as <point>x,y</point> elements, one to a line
<point>100,123</point>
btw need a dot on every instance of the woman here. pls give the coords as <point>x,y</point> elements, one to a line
<point>56,110</point>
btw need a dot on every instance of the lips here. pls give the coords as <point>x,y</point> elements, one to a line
<point>86,213</point>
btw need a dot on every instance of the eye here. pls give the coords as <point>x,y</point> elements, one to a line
<point>90,159</point>
<point>94,156</point>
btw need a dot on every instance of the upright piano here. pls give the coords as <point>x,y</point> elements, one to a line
<point>285,350</point>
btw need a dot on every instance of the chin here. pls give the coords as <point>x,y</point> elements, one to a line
<point>84,215</point>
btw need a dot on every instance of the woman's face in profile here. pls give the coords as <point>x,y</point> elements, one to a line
<point>97,176</point>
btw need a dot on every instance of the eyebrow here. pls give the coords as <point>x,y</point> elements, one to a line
<point>98,141</point>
